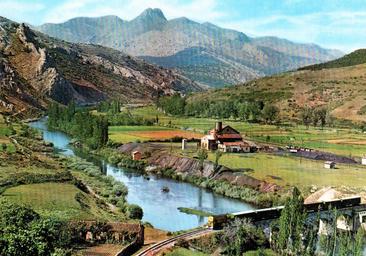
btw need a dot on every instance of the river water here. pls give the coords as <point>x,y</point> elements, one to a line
<point>160,209</point>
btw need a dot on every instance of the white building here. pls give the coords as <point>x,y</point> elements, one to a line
<point>329,165</point>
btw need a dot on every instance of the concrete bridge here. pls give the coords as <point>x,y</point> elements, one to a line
<point>351,215</point>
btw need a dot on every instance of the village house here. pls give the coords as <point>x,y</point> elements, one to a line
<point>136,155</point>
<point>225,139</point>
<point>363,160</point>
<point>329,165</point>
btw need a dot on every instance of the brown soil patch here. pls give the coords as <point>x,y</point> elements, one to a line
<point>4,140</point>
<point>153,235</point>
<point>101,250</point>
<point>159,135</point>
<point>347,142</point>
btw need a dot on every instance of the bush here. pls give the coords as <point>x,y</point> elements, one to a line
<point>135,212</point>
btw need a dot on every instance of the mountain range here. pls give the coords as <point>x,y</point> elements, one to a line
<point>36,69</point>
<point>208,54</point>
<point>338,85</point>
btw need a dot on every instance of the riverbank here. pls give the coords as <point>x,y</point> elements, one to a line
<point>221,180</point>
<point>145,189</point>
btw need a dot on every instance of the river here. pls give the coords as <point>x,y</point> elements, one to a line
<point>160,209</point>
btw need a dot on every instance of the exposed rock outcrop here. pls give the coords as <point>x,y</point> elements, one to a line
<point>35,69</point>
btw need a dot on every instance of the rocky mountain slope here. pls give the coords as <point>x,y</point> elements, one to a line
<point>35,69</point>
<point>206,53</point>
<point>339,85</point>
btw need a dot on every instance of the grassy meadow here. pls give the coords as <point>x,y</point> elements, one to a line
<point>283,170</point>
<point>289,170</point>
<point>343,141</point>
<point>63,201</point>
<point>184,252</point>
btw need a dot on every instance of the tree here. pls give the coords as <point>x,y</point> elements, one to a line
<point>24,232</point>
<point>306,116</point>
<point>359,242</point>
<point>322,116</point>
<point>135,212</point>
<point>270,113</point>
<point>202,156</point>
<point>291,225</point>
<point>241,235</point>
<point>218,155</point>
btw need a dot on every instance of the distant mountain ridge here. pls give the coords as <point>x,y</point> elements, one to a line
<point>204,52</point>
<point>36,69</point>
<point>354,58</point>
<point>338,85</point>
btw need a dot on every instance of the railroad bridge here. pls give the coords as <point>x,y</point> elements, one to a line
<point>351,214</point>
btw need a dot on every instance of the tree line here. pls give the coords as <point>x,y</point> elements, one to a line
<point>93,130</point>
<point>316,116</point>
<point>254,111</point>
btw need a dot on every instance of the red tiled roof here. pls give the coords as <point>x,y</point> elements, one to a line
<point>236,143</point>
<point>229,136</point>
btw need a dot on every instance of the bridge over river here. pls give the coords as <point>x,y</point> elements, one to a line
<point>351,215</point>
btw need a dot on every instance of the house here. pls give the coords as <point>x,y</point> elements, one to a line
<point>329,165</point>
<point>136,155</point>
<point>363,160</point>
<point>226,139</point>
<point>234,147</point>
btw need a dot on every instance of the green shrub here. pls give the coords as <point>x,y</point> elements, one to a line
<point>135,212</point>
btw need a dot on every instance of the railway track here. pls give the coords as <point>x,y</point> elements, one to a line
<point>153,250</point>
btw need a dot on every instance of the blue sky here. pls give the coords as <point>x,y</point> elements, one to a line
<point>339,24</point>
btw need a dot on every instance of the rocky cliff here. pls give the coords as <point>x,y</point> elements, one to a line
<point>35,69</point>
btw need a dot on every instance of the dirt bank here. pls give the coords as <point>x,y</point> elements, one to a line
<point>158,157</point>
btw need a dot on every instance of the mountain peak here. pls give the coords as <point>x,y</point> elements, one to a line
<point>150,13</point>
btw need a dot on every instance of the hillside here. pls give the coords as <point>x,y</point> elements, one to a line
<point>35,69</point>
<point>204,52</point>
<point>341,89</point>
<point>354,58</point>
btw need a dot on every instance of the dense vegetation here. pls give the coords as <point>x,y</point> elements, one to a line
<point>293,235</point>
<point>24,232</point>
<point>93,130</point>
<point>355,58</point>
<point>112,111</point>
<point>246,110</point>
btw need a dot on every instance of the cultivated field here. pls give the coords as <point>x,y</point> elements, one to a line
<point>283,170</point>
<point>125,134</point>
<point>288,170</point>
<point>347,142</point>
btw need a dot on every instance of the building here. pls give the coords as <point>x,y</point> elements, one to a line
<point>226,139</point>
<point>329,165</point>
<point>136,155</point>
<point>234,147</point>
<point>363,160</point>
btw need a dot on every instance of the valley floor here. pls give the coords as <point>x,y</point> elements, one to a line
<point>280,169</point>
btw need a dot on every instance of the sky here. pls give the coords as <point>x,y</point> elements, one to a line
<point>337,24</point>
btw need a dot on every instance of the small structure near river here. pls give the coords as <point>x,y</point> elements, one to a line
<point>225,139</point>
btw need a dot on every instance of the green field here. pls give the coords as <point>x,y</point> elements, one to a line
<point>287,170</point>
<point>184,252</point>
<point>4,133</point>
<point>63,201</point>
<point>348,142</point>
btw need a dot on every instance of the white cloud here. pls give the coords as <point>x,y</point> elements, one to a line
<point>202,10</point>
